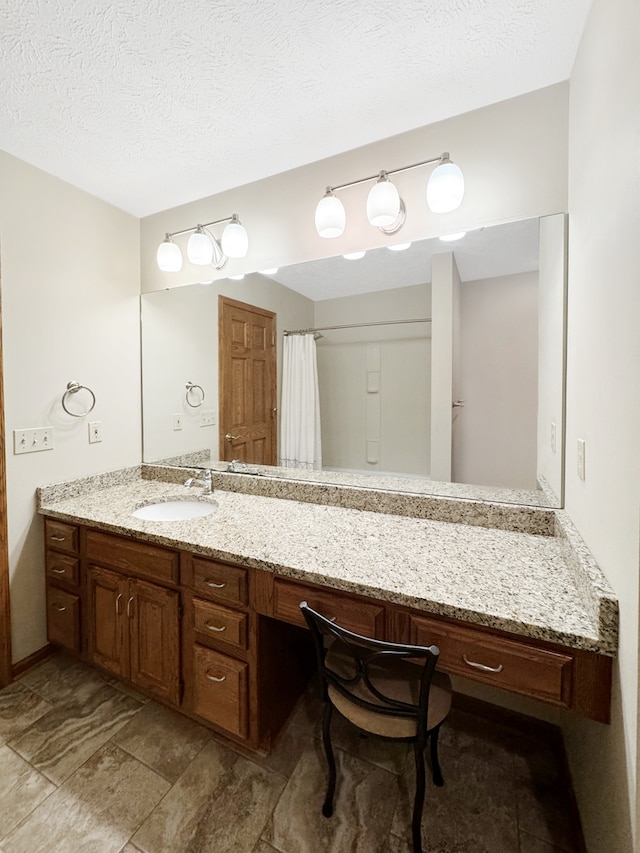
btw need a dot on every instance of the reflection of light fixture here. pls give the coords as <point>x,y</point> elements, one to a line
<point>399,247</point>
<point>271,271</point>
<point>354,256</point>
<point>237,277</point>
<point>385,208</point>
<point>450,238</point>
<point>203,248</point>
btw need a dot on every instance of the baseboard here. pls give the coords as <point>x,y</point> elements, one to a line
<point>31,660</point>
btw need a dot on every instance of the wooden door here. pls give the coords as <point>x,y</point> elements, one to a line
<point>108,623</point>
<point>155,638</point>
<point>247,382</point>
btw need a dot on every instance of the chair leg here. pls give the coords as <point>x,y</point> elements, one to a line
<point>327,808</point>
<point>436,772</point>
<point>418,803</point>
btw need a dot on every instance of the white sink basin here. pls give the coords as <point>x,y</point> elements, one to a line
<point>175,510</point>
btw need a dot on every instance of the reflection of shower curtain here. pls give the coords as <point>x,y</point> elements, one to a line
<point>300,445</point>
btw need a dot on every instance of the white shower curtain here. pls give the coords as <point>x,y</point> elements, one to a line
<point>300,445</point>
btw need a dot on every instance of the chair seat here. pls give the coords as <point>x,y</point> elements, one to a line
<point>399,682</point>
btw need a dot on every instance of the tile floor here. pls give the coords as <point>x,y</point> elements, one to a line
<point>89,767</point>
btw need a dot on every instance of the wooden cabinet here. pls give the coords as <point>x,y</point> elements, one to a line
<point>62,567</point>
<point>219,647</point>
<point>134,631</point>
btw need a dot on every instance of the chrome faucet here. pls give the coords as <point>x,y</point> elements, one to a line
<point>237,466</point>
<point>205,482</point>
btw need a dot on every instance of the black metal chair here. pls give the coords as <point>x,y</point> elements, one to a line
<point>384,689</point>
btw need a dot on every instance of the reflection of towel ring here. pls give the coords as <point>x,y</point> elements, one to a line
<point>73,388</point>
<point>191,386</point>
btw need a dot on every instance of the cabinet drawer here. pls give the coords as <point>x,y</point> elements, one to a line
<point>137,558</point>
<point>63,618</point>
<point>361,617</point>
<point>220,690</point>
<point>520,667</point>
<point>220,581</point>
<point>219,623</point>
<point>63,567</point>
<point>62,536</point>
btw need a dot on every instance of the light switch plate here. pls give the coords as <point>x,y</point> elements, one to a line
<point>581,463</point>
<point>95,432</point>
<point>207,418</point>
<point>33,440</point>
<point>177,421</point>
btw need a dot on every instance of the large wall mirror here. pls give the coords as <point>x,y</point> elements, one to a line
<point>440,366</point>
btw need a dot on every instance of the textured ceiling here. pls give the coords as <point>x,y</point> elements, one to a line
<point>485,253</point>
<point>149,104</point>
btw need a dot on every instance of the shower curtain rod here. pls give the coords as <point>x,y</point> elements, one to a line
<point>355,326</point>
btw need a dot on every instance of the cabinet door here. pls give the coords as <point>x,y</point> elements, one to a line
<point>108,625</point>
<point>155,638</point>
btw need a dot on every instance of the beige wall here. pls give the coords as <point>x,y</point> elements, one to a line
<point>70,293</point>
<point>513,155</point>
<point>603,388</point>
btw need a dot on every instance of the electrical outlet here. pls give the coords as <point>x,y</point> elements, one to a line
<point>553,437</point>
<point>95,432</point>
<point>177,421</point>
<point>581,452</point>
<point>33,440</point>
<point>207,419</point>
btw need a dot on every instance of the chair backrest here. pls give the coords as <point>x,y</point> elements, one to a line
<point>371,664</point>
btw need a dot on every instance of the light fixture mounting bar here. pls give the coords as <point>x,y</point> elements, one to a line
<point>202,225</point>
<point>443,157</point>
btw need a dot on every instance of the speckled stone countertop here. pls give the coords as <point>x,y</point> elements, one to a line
<point>539,586</point>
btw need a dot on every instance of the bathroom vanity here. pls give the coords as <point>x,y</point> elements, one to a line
<point>204,613</point>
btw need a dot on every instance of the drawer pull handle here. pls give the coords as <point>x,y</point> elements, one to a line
<point>57,538</point>
<point>118,600</point>
<point>59,571</point>
<point>482,666</point>
<point>60,608</point>
<point>215,627</point>
<point>129,603</point>
<point>214,678</point>
<point>215,585</point>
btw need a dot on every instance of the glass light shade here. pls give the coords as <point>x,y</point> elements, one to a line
<point>330,216</point>
<point>451,238</point>
<point>399,247</point>
<point>200,248</point>
<point>271,271</point>
<point>235,240</point>
<point>169,257</point>
<point>445,188</point>
<point>237,277</point>
<point>354,256</point>
<point>383,204</point>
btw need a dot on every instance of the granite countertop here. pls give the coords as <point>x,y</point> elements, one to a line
<point>539,586</point>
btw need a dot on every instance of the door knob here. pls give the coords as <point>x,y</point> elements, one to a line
<point>229,437</point>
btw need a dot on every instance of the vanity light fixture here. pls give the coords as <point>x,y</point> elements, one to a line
<point>399,247</point>
<point>354,256</point>
<point>237,277</point>
<point>203,248</point>
<point>271,271</point>
<point>385,208</point>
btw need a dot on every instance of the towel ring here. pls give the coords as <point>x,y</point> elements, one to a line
<point>73,388</point>
<point>191,386</point>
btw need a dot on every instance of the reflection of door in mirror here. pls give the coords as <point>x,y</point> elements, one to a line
<point>247,382</point>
